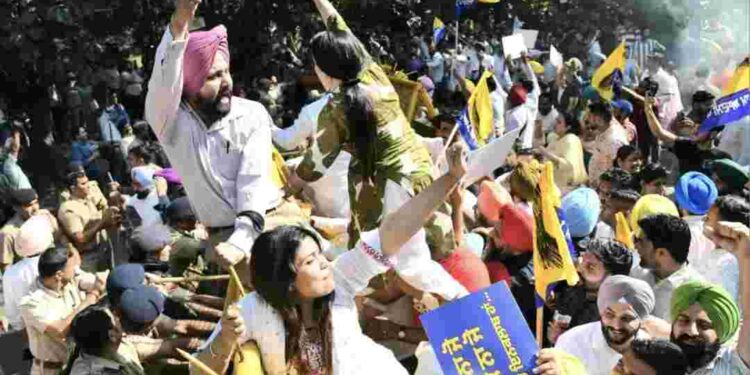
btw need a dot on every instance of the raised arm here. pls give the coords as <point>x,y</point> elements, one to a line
<point>735,237</point>
<point>398,227</point>
<point>326,10</point>
<point>165,86</point>
<point>334,22</point>
<point>655,125</point>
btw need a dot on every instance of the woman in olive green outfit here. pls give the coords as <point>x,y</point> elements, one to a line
<point>379,137</point>
<point>389,162</point>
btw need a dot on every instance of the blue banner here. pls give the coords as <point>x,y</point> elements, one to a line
<point>482,333</point>
<point>728,109</point>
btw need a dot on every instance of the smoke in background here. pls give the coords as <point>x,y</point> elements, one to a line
<point>700,32</point>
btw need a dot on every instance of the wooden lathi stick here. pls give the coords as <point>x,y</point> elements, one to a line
<point>163,280</point>
<point>196,362</point>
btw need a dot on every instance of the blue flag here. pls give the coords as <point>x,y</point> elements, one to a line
<point>466,130</point>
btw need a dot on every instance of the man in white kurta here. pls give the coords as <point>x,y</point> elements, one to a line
<point>219,144</point>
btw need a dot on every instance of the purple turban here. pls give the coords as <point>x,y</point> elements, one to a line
<point>169,174</point>
<point>201,49</point>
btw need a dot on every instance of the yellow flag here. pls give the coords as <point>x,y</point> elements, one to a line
<point>622,231</point>
<point>480,109</point>
<point>604,77</point>
<point>278,169</point>
<point>739,81</point>
<point>552,259</point>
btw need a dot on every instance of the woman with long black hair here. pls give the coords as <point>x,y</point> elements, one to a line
<point>302,314</point>
<point>363,117</point>
<point>389,162</point>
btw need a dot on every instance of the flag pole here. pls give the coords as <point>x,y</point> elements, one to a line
<point>458,22</point>
<point>539,326</point>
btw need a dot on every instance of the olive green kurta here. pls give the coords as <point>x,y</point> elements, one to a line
<point>400,155</point>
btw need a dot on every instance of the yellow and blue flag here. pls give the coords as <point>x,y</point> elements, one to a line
<point>466,130</point>
<point>553,245</point>
<point>438,30</point>
<point>607,79</point>
<point>480,108</point>
<point>735,104</point>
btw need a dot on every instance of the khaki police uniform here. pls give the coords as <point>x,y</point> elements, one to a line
<point>75,215</point>
<point>8,239</point>
<point>40,308</point>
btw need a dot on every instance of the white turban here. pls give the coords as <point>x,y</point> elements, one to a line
<point>35,236</point>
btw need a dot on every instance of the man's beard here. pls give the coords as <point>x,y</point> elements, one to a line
<point>214,110</point>
<point>607,332</point>
<point>698,354</point>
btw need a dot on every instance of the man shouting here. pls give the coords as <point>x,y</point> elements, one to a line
<point>219,144</point>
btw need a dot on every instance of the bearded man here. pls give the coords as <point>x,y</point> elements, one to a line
<point>625,306</point>
<point>706,318</point>
<point>219,144</point>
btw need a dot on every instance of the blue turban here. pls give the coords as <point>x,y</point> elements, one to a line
<point>581,208</point>
<point>695,192</point>
<point>623,105</point>
<point>142,304</point>
<point>122,278</point>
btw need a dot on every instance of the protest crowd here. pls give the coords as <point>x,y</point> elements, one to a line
<point>335,210</point>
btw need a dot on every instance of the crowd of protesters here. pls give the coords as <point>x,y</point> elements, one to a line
<point>173,195</point>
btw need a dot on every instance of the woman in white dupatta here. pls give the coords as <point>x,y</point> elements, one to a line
<point>302,314</point>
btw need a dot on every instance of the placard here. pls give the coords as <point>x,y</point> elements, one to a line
<point>513,46</point>
<point>482,333</point>
<point>555,57</point>
<point>483,161</point>
<point>529,37</point>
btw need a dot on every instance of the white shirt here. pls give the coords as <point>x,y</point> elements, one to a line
<point>519,117</point>
<point>330,193</point>
<point>700,245</point>
<point>17,282</point>
<point>304,126</point>
<point>715,265</point>
<point>145,208</point>
<point>669,96</point>
<point>225,167</point>
<point>498,98</point>
<point>663,288</point>
<point>437,67</point>
<point>353,351</point>
<point>587,343</point>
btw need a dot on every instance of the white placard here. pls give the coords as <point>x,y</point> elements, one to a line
<point>492,156</point>
<point>555,57</point>
<point>529,37</point>
<point>513,46</point>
